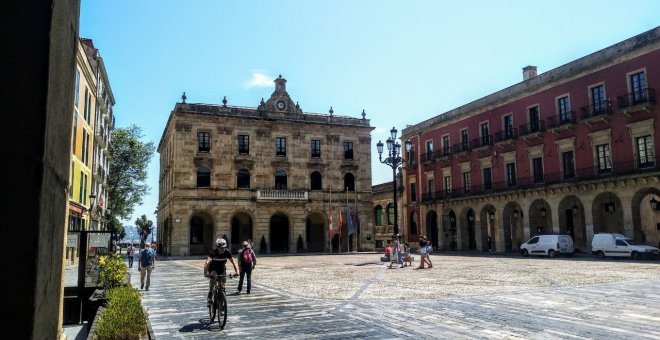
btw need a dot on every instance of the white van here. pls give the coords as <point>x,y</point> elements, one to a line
<point>611,244</point>
<point>550,245</point>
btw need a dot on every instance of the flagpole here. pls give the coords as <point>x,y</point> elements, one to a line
<point>330,226</point>
<point>349,216</point>
<point>357,230</point>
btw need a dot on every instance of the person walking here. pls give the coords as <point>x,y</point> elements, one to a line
<point>422,252</point>
<point>130,252</point>
<point>146,265</point>
<point>429,249</point>
<point>246,263</point>
<point>396,248</point>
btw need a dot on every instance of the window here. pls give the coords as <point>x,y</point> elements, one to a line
<point>430,187</point>
<point>413,192</point>
<point>568,164</point>
<point>77,94</point>
<point>196,231</point>
<point>511,174</point>
<point>485,134</point>
<point>203,141</point>
<point>280,179</point>
<point>390,214</point>
<point>465,142</point>
<point>604,158</point>
<point>378,215</point>
<point>349,182</point>
<point>467,185</point>
<point>203,177</point>
<point>448,185</point>
<point>638,87</point>
<point>75,133</point>
<point>316,148</point>
<point>429,150</point>
<point>488,178</point>
<point>86,150</point>
<point>280,146</point>
<point>411,156</point>
<point>80,188</point>
<point>84,187</point>
<point>445,146</point>
<point>243,179</point>
<point>243,144</point>
<point>645,151</point>
<point>315,180</point>
<point>413,223</point>
<point>534,121</point>
<point>564,107</point>
<point>73,172</point>
<point>508,127</point>
<point>537,168</point>
<point>85,105</point>
<point>598,99</point>
<point>534,240</point>
<point>348,150</point>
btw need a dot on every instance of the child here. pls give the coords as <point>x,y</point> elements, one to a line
<point>407,258</point>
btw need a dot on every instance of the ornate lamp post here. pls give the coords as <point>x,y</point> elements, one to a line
<point>393,159</point>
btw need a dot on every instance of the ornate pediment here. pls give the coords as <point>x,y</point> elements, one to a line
<point>280,101</point>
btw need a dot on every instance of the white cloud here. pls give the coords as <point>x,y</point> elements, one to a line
<point>259,79</point>
<point>380,131</point>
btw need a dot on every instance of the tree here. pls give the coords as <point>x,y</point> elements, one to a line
<point>144,227</point>
<point>128,170</point>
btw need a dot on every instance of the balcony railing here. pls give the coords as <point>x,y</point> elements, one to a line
<point>564,118</point>
<point>482,141</point>
<point>601,108</point>
<point>273,194</point>
<point>445,152</point>
<point>647,164</point>
<point>532,127</point>
<point>427,157</point>
<point>462,147</point>
<point>642,96</point>
<point>505,135</point>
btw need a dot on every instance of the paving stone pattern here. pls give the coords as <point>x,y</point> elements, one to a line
<point>611,310</point>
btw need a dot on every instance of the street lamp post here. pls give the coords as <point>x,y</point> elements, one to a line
<point>393,160</point>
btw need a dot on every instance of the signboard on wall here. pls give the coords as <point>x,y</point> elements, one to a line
<point>97,245</point>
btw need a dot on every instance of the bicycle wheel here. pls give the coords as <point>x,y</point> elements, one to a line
<point>222,314</point>
<point>212,308</point>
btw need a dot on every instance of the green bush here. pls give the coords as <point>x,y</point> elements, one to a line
<point>112,271</point>
<point>123,317</point>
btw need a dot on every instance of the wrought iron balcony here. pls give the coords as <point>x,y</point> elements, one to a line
<point>427,157</point>
<point>563,118</point>
<point>598,109</point>
<point>532,127</point>
<point>462,147</point>
<point>483,141</point>
<point>282,195</point>
<point>643,96</point>
<point>507,134</point>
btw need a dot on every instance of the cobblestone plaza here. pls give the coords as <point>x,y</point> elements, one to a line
<point>461,297</point>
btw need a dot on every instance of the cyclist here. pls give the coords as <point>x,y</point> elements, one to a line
<point>216,264</point>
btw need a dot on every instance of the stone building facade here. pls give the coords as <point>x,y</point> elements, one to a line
<point>268,173</point>
<point>569,151</point>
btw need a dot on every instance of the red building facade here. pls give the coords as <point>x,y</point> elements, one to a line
<point>570,151</point>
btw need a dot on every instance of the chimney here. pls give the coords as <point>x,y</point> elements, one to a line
<point>529,72</point>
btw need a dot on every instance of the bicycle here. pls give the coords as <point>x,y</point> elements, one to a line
<point>219,300</point>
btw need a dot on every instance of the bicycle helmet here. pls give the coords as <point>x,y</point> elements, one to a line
<point>221,242</point>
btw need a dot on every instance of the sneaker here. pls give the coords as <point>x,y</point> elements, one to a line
<point>142,286</point>
<point>248,292</point>
<point>147,288</point>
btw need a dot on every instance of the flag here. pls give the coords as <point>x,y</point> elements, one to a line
<point>341,224</point>
<point>350,222</point>
<point>330,231</point>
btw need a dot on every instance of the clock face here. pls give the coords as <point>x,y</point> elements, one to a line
<point>280,105</point>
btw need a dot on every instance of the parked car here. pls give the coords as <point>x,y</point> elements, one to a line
<point>618,245</point>
<point>550,245</point>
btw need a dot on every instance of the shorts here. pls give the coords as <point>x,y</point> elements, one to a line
<point>219,270</point>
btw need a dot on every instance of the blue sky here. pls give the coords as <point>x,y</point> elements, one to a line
<point>400,61</point>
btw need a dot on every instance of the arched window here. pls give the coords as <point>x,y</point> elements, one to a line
<point>280,179</point>
<point>243,179</point>
<point>349,182</point>
<point>378,215</point>
<point>315,180</point>
<point>203,177</point>
<point>413,223</point>
<point>390,214</point>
